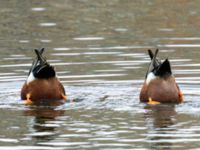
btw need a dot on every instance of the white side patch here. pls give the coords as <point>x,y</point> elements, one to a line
<point>150,77</point>
<point>30,78</point>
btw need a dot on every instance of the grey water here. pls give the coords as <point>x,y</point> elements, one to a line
<point>99,50</point>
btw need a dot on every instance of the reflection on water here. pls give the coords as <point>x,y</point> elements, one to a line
<point>99,51</point>
<point>42,130</point>
<point>160,120</point>
<point>162,115</point>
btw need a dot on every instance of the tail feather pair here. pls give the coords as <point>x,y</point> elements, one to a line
<point>40,67</point>
<point>157,67</point>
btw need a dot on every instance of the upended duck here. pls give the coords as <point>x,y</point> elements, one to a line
<point>42,84</point>
<point>160,85</point>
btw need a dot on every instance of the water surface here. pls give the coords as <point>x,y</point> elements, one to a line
<point>99,49</point>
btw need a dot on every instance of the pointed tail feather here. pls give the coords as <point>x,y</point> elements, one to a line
<point>150,54</point>
<point>40,57</point>
<point>154,61</point>
<point>35,62</point>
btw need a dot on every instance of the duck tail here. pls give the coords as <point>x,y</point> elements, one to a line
<point>164,69</point>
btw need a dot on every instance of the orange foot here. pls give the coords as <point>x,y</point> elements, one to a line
<point>28,100</point>
<point>153,102</point>
<point>181,97</point>
<point>64,97</point>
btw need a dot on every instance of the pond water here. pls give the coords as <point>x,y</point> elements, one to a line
<point>99,49</point>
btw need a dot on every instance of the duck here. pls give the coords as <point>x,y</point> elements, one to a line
<point>42,84</point>
<point>160,85</point>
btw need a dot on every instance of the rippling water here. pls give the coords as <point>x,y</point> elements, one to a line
<point>99,51</point>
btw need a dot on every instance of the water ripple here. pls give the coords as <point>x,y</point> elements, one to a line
<point>38,9</point>
<point>48,24</point>
<point>88,38</point>
<point>179,45</point>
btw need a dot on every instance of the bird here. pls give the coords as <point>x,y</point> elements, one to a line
<point>42,84</point>
<point>160,85</point>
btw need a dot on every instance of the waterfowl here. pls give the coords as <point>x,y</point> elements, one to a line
<point>42,84</point>
<point>160,85</point>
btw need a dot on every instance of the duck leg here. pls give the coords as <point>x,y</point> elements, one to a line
<point>28,100</point>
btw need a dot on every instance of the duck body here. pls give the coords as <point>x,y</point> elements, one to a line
<point>160,84</point>
<point>161,90</point>
<point>43,89</point>
<point>42,83</point>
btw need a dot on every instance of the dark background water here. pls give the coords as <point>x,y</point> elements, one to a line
<point>99,49</point>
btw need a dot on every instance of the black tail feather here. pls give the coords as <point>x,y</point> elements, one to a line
<point>150,54</point>
<point>164,69</point>
<point>41,59</point>
<point>40,67</point>
<point>154,61</point>
<point>157,67</point>
<point>35,62</point>
<point>44,71</point>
